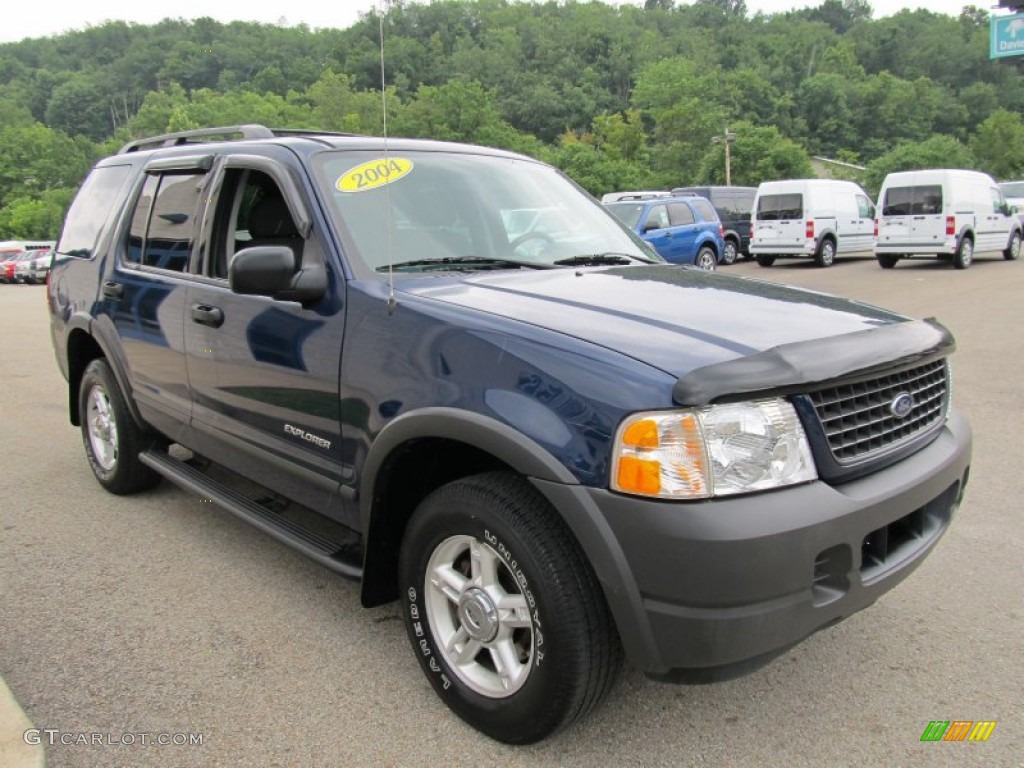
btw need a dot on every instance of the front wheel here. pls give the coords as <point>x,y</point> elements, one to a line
<point>706,259</point>
<point>504,613</point>
<point>112,439</point>
<point>964,254</point>
<point>1013,249</point>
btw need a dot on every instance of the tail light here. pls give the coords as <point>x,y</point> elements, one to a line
<point>951,225</point>
<point>721,230</point>
<point>810,230</point>
<point>876,227</point>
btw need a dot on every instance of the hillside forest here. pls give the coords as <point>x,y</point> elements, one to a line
<point>620,97</point>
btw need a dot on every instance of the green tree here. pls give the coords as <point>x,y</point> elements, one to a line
<point>998,145</point>
<point>338,107</point>
<point>34,158</point>
<point>934,152</point>
<point>758,154</point>
<point>80,107</point>
<point>35,218</point>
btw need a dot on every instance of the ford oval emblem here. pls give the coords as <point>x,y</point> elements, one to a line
<point>902,405</point>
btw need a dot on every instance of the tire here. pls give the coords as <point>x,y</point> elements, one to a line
<point>825,256</point>
<point>706,259</point>
<point>765,261</point>
<point>1013,249</point>
<point>112,438</point>
<point>730,252</point>
<point>964,253</point>
<point>492,539</point>
<point>887,260</point>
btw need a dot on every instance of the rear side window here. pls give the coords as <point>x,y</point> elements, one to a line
<point>680,214</point>
<point>776,207</point>
<point>163,221</point>
<point>704,209</point>
<point>91,209</point>
<point>909,201</point>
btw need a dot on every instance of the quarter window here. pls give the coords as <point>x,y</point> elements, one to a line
<point>91,209</point>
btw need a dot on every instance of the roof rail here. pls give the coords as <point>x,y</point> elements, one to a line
<point>229,132</point>
<point>309,132</point>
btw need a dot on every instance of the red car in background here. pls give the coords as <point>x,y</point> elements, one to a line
<point>7,265</point>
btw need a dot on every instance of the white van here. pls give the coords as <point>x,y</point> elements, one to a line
<point>822,218</point>
<point>945,213</point>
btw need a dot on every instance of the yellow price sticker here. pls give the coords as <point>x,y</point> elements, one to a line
<point>373,174</point>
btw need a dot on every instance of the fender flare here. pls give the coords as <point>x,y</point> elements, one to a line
<point>106,339</point>
<point>488,434</point>
<point>558,485</point>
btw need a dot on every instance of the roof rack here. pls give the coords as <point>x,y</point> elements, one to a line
<point>230,132</point>
<point>223,133</point>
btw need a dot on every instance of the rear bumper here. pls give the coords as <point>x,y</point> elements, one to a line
<point>804,248</point>
<point>933,248</point>
<point>709,590</point>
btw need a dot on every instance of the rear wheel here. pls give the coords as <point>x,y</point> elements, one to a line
<point>112,439</point>
<point>706,259</point>
<point>504,613</point>
<point>887,260</point>
<point>825,256</point>
<point>729,252</point>
<point>964,253</point>
<point>1013,249</point>
<point>765,261</point>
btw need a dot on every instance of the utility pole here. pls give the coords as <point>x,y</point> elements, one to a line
<point>727,138</point>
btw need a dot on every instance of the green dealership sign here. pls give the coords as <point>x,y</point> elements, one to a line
<point>1007,36</point>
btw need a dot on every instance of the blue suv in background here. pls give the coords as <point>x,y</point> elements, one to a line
<point>683,230</point>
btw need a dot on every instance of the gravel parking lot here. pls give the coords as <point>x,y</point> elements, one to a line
<point>161,615</point>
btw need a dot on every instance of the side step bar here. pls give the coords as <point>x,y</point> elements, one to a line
<point>326,552</point>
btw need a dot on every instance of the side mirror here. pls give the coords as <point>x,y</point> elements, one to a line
<point>270,270</point>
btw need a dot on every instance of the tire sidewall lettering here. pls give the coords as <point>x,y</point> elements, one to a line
<point>418,622</point>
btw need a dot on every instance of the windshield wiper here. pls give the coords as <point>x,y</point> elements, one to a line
<point>470,261</point>
<point>597,259</point>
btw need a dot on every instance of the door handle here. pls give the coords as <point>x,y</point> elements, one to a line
<point>113,290</point>
<point>204,314</point>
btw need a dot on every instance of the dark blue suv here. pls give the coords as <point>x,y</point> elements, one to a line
<point>683,230</point>
<point>447,372</point>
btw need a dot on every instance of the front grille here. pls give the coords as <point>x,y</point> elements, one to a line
<point>858,421</point>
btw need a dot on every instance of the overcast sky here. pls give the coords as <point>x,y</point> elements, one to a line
<point>41,18</point>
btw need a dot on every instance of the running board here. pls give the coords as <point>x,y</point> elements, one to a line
<point>326,552</point>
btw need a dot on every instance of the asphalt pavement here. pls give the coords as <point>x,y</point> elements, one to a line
<point>157,630</point>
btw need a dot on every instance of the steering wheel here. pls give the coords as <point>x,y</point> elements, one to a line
<point>527,236</point>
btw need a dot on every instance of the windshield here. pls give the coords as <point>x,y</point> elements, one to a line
<point>464,211</point>
<point>1013,188</point>
<point>627,213</point>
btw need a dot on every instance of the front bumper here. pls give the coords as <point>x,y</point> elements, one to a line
<point>709,590</point>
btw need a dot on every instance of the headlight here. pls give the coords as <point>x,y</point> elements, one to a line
<point>716,450</point>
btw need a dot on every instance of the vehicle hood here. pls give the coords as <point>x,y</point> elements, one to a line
<point>679,319</point>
